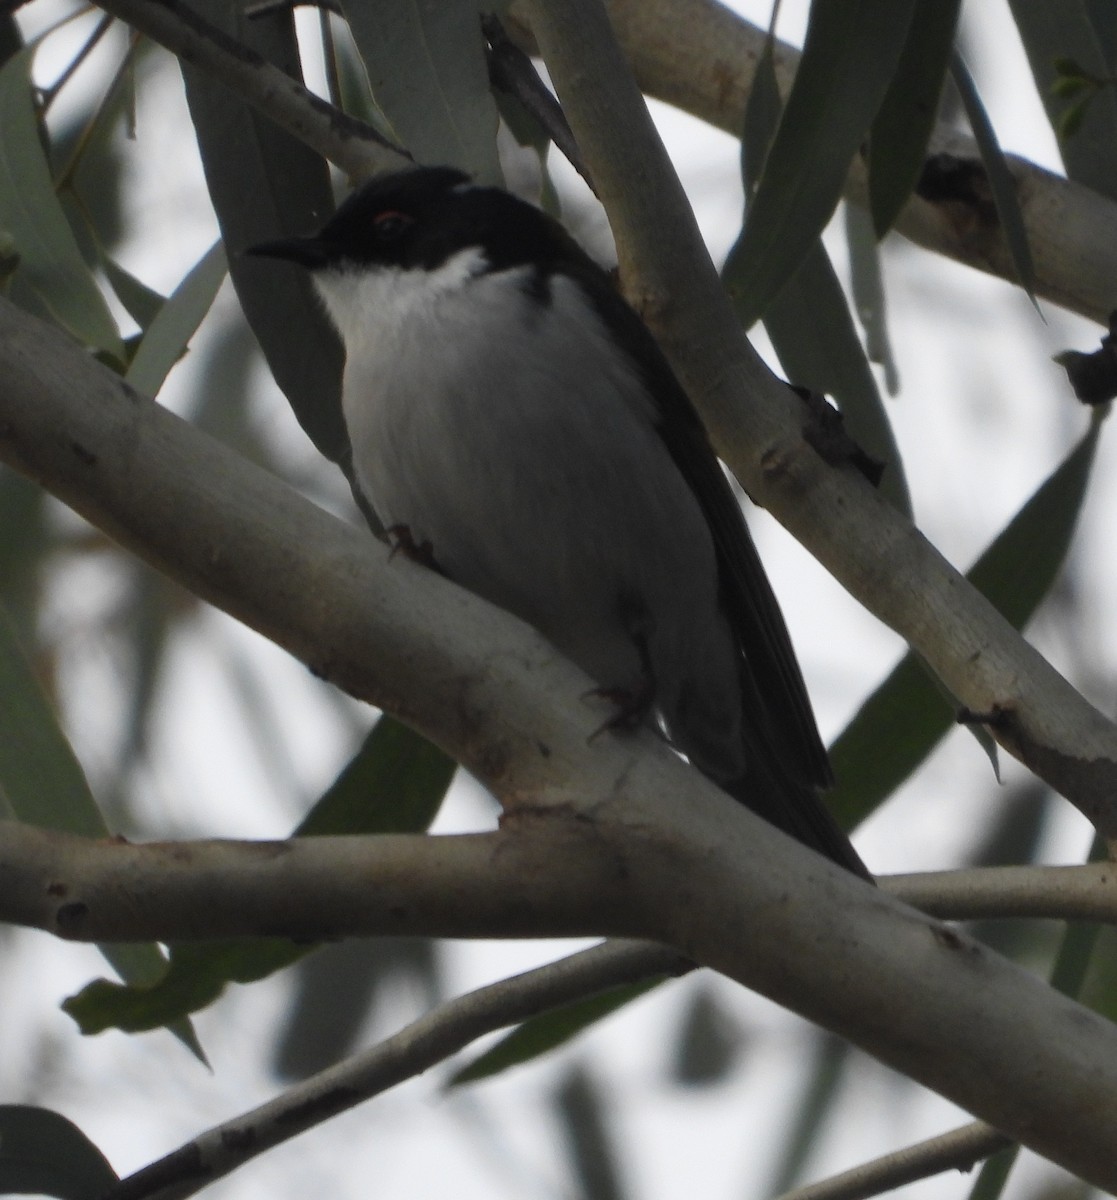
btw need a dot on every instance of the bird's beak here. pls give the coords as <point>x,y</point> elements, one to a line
<point>309,252</point>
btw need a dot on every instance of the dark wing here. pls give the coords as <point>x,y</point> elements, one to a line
<point>775,698</point>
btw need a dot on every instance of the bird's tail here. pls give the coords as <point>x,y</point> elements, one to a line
<point>798,809</point>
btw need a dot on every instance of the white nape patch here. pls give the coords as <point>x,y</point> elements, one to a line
<point>359,296</point>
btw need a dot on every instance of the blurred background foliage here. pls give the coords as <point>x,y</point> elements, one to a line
<point>95,644</point>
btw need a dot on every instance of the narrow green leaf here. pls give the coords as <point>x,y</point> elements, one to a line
<point>50,262</point>
<point>818,347</point>
<point>264,184</point>
<point>1078,31</point>
<point>902,127</point>
<point>867,287</point>
<point>394,784</point>
<point>42,777</point>
<point>809,321</point>
<point>167,336</point>
<point>44,785</point>
<point>849,58</point>
<point>1001,183</point>
<point>905,718</point>
<point>143,303</point>
<point>43,1153</point>
<point>549,1030</point>
<point>823,1090</point>
<point>427,71</point>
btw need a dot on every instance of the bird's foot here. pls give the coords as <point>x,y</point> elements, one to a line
<point>403,543</point>
<point>633,705</point>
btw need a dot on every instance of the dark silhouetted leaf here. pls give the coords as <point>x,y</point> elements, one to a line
<point>1001,183</point>
<point>42,1152</point>
<point>902,127</point>
<point>1066,31</point>
<point>550,1030</point>
<point>849,58</point>
<point>50,262</point>
<point>426,67</point>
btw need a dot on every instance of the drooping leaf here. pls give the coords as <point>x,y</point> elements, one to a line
<point>265,184</point>
<point>903,124</point>
<point>44,785</point>
<point>42,777</point>
<point>809,321</point>
<point>906,717</point>
<point>394,784</point>
<point>165,339</point>
<point>549,1030</point>
<point>43,1153</point>
<point>142,302</point>
<point>427,71</point>
<point>818,347</point>
<point>867,288</point>
<point>50,263</point>
<point>1001,183</point>
<point>849,58</point>
<point>585,1123</point>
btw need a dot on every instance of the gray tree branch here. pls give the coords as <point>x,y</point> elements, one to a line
<point>958,1150</point>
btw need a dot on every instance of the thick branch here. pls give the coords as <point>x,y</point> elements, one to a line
<point>535,879</point>
<point>756,424</point>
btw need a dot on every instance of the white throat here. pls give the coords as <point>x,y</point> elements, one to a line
<point>359,298</point>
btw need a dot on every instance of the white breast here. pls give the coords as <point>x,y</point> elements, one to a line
<point>511,436</point>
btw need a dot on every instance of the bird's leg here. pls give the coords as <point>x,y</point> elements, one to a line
<point>634,702</point>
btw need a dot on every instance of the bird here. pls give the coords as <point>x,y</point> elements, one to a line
<point>514,423</point>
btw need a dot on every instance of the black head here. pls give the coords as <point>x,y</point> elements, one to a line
<point>419,218</point>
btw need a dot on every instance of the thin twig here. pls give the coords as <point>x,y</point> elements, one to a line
<point>414,1049</point>
<point>1077,893</point>
<point>958,1150</point>
<point>354,146</point>
<point>49,94</point>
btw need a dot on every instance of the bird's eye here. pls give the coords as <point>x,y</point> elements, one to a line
<point>390,224</point>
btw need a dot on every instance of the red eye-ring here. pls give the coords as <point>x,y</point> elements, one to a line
<point>390,224</point>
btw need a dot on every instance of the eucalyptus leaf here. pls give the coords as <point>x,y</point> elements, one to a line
<point>902,127</point>
<point>850,56</point>
<point>44,785</point>
<point>1001,183</point>
<point>546,1032</point>
<point>428,74</point>
<point>44,1153</point>
<point>50,262</point>
<point>1062,31</point>
<point>165,340</point>
<point>265,184</point>
<point>809,321</point>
